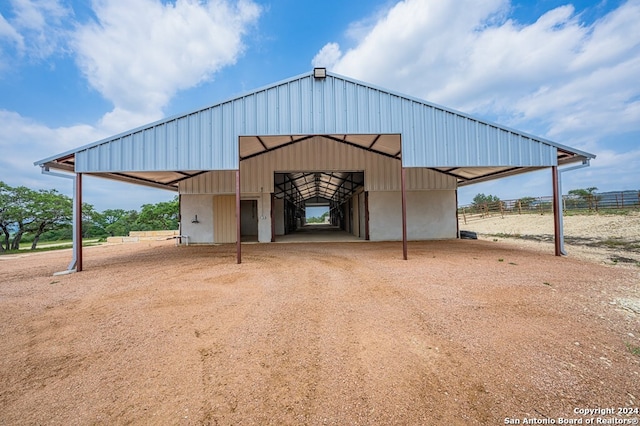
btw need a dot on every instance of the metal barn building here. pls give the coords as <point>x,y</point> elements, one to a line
<point>388,165</point>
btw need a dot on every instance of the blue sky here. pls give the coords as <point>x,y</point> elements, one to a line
<point>72,72</point>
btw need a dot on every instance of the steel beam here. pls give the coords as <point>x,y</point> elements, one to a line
<point>238,217</point>
<point>557,211</point>
<point>78,236</point>
<point>404,213</point>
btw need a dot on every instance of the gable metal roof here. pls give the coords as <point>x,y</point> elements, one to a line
<point>218,137</point>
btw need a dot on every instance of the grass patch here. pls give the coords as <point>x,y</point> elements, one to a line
<point>633,349</point>
<point>622,259</point>
<point>502,235</point>
<point>50,247</point>
<point>601,211</point>
<point>620,244</point>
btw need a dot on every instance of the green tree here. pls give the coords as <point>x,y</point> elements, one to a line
<point>587,195</point>
<point>481,199</point>
<point>118,222</point>
<point>5,221</point>
<point>321,219</point>
<point>526,202</point>
<point>50,210</point>
<point>163,215</point>
<point>20,212</point>
<point>25,211</point>
<point>91,227</point>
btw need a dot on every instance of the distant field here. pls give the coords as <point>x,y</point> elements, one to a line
<point>613,238</point>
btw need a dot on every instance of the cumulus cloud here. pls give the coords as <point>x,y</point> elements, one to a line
<point>327,56</point>
<point>35,29</point>
<point>34,139</point>
<point>558,74</point>
<point>139,54</point>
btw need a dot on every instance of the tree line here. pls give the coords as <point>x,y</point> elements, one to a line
<point>587,196</point>
<point>581,199</point>
<point>28,215</point>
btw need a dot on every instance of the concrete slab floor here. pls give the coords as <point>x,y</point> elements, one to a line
<point>318,233</point>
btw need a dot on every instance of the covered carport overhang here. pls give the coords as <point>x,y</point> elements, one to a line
<point>388,145</point>
<point>325,186</point>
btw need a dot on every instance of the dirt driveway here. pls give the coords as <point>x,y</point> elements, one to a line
<point>464,332</point>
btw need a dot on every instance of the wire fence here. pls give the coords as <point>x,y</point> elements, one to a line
<point>606,202</point>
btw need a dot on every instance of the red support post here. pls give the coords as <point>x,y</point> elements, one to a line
<point>556,210</point>
<point>78,200</point>
<point>366,216</point>
<point>404,213</point>
<point>273,217</point>
<point>457,217</point>
<point>238,231</point>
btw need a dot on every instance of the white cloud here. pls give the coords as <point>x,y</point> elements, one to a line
<point>7,31</point>
<point>37,28</point>
<point>327,56</point>
<point>558,74</point>
<point>24,141</point>
<point>9,39</point>
<point>416,45</point>
<point>28,141</point>
<point>139,54</point>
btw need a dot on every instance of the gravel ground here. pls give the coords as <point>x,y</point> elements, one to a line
<point>608,239</point>
<point>464,332</point>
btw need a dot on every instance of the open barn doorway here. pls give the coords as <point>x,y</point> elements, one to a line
<point>249,220</point>
<point>340,196</point>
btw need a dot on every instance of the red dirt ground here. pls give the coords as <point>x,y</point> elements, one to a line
<point>464,332</point>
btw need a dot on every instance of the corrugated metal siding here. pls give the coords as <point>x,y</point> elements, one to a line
<point>441,138</point>
<point>224,219</point>
<point>208,139</point>
<point>316,154</point>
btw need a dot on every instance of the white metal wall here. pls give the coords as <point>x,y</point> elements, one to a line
<point>317,154</point>
<point>430,215</point>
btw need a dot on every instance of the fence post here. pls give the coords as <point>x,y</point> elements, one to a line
<point>501,209</point>
<point>519,207</point>
<point>464,216</point>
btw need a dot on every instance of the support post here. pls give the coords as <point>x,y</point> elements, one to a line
<point>273,217</point>
<point>238,231</point>
<point>367,236</point>
<point>404,213</point>
<point>78,234</point>
<point>557,211</point>
<point>457,217</point>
